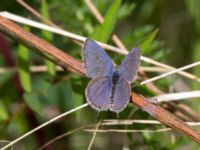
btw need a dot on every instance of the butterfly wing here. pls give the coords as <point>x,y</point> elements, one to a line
<point>98,93</point>
<point>96,61</point>
<point>128,68</point>
<point>121,95</point>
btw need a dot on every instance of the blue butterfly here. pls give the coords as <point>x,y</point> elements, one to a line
<point>110,87</point>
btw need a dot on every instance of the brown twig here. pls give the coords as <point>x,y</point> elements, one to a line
<point>69,63</point>
<point>165,117</point>
<point>183,112</point>
<point>192,114</point>
<point>40,46</point>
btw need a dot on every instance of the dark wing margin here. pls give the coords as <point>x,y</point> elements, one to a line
<point>96,61</point>
<point>98,93</point>
<point>129,66</point>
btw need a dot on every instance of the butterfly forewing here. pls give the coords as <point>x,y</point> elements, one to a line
<point>98,93</point>
<point>128,67</point>
<point>96,61</point>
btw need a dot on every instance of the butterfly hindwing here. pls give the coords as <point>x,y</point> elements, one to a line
<point>96,61</point>
<point>121,95</point>
<point>98,93</point>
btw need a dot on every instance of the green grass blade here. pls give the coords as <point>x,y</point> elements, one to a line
<point>144,45</point>
<point>196,56</point>
<point>193,9</point>
<point>104,31</point>
<point>23,66</point>
<point>125,10</point>
<point>48,36</point>
<point>33,102</point>
<point>3,112</point>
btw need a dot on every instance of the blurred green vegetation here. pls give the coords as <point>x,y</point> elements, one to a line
<point>166,31</point>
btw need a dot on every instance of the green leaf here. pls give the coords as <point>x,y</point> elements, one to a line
<point>44,9</point>
<point>6,77</point>
<point>23,66</point>
<point>104,31</point>
<point>193,9</point>
<point>196,57</point>
<point>144,45</point>
<point>33,102</point>
<point>20,122</point>
<point>126,10</point>
<point>3,112</point>
<point>51,67</point>
<point>48,36</point>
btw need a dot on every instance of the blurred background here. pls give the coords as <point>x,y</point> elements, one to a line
<point>166,31</point>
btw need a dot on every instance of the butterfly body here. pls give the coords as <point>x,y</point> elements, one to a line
<point>115,80</point>
<point>115,76</point>
<point>109,88</point>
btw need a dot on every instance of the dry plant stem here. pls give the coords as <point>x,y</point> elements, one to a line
<point>171,72</point>
<point>42,68</point>
<point>82,39</point>
<point>6,141</point>
<point>117,41</point>
<point>114,123</point>
<point>150,85</point>
<point>187,110</point>
<point>175,96</point>
<point>154,69</point>
<point>35,13</point>
<point>175,111</point>
<point>41,46</point>
<point>42,26</point>
<point>94,135</point>
<point>165,117</point>
<point>182,112</point>
<point>39,16</point>
<point>44,124</point>
<point>62,136</point>
<point>69,62</point>
<point>33,69</point>
<point>182,115</point>
<point>100,18</point>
